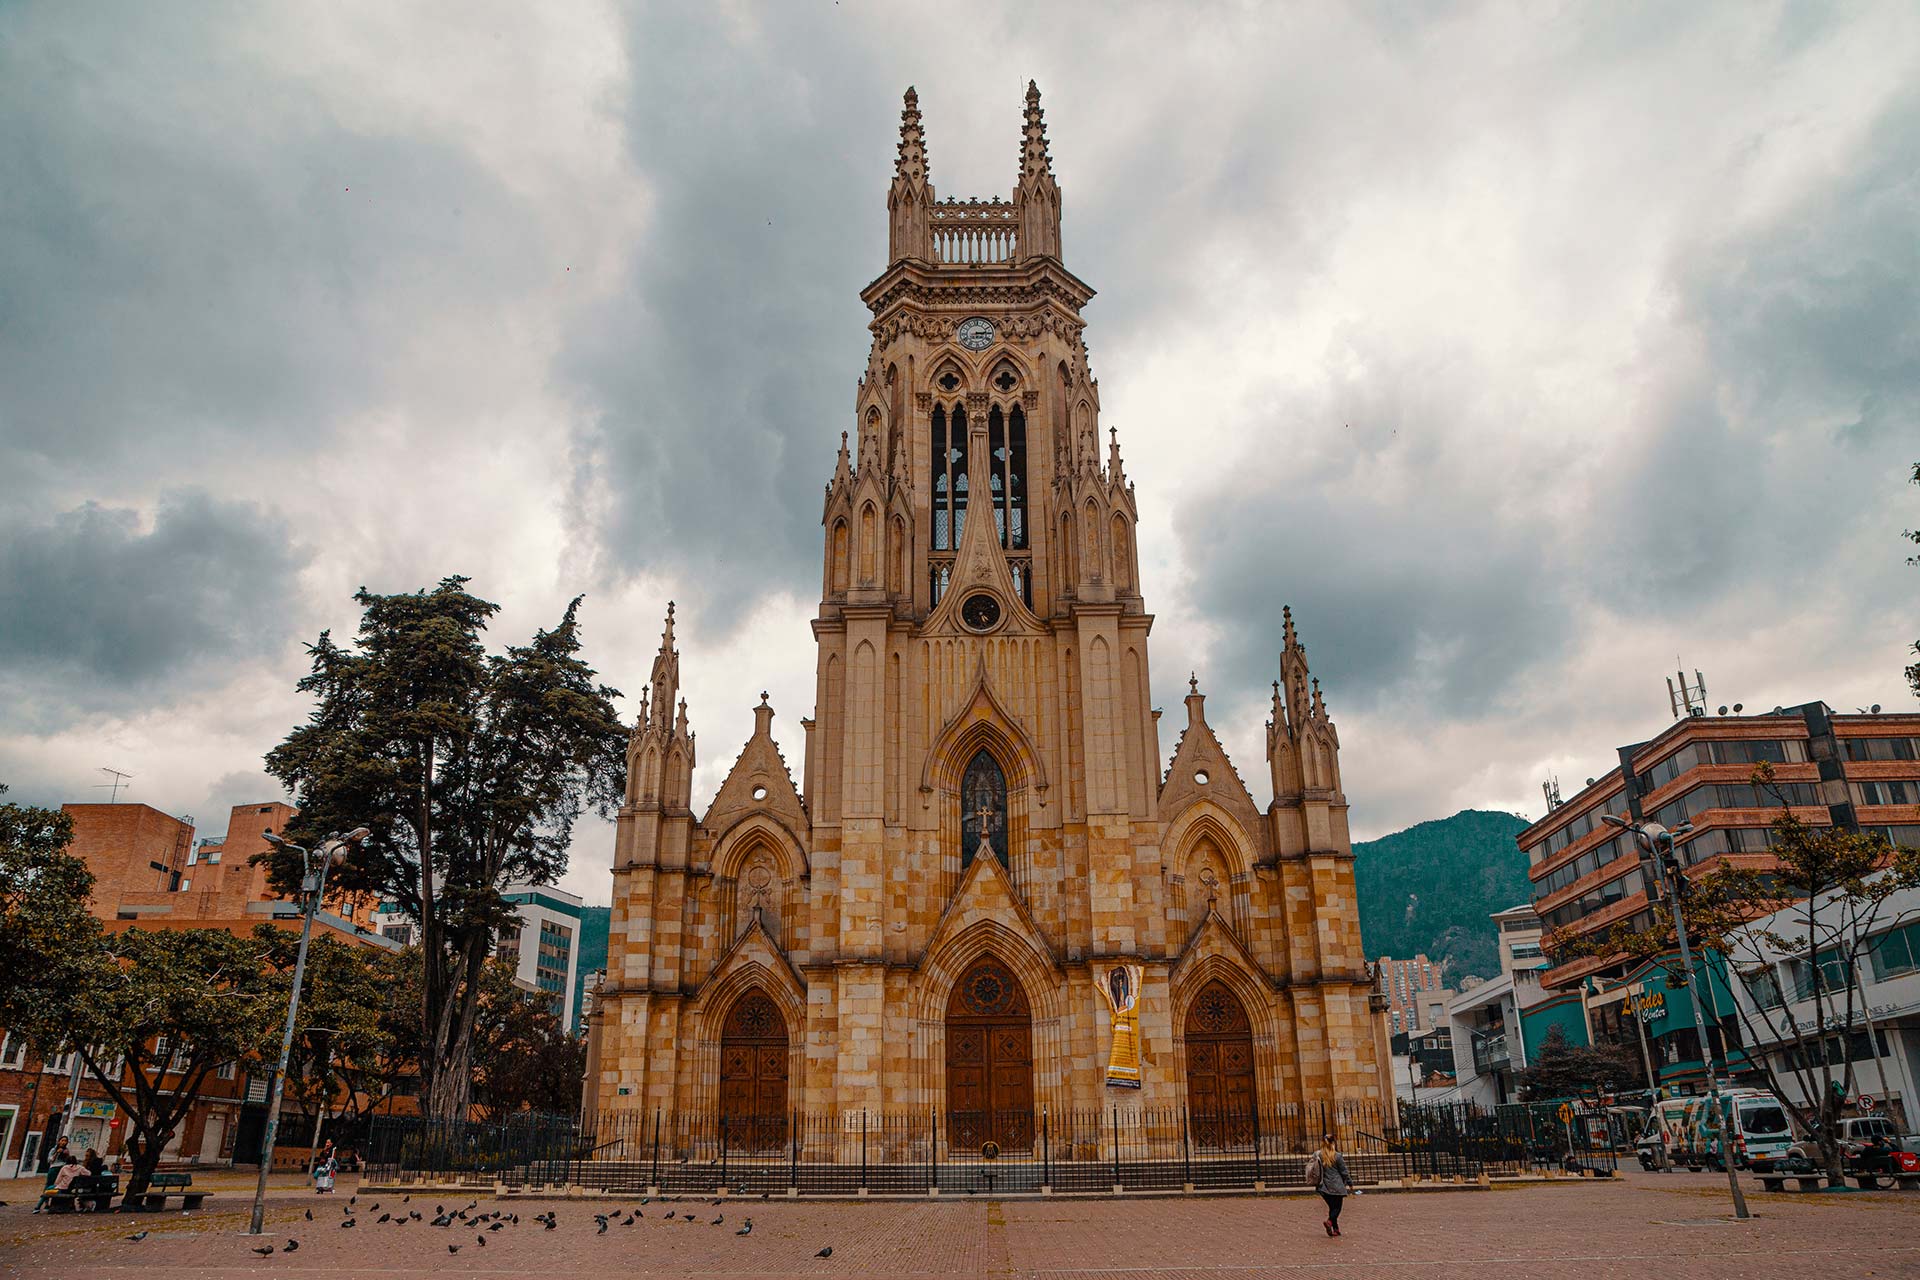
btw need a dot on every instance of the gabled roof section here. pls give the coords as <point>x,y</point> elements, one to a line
<point>1215,937</point>
<point>1199,754</point>
<point>760,765</point>
<point>987,893</point>
<point>754,948</point>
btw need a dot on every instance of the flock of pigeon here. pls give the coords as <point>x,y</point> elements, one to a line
<point>494,1220</point>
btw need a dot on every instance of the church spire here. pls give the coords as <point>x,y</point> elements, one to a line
<point>1037,194</point>
<point>1035,162</point>
<point>910,198</point>
<point>664,684</point>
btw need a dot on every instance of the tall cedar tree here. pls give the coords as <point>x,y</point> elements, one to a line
<point>1838,890</point>
<point>471,770</point>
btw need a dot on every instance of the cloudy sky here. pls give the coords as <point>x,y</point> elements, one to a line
<point>1521,348</point>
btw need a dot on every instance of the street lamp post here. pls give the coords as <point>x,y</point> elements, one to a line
<point>313,884</point>
<point>1656,843</point>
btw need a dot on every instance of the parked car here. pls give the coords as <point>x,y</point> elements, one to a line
<point>1868,1144</point>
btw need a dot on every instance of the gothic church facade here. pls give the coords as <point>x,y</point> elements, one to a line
<point>983,833</point>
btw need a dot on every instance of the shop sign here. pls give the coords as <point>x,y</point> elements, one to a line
<point>96,1107</point>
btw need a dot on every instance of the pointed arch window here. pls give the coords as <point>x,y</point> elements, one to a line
<point>983,808</point>
<point>949,477</point>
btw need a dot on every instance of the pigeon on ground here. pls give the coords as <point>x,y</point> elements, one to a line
<point>406,1199</point>
<point>309,1215</point>
<point>353,1199</point>
<point>347,1223</point>
<point>439,1208</point>
<point>385,1217</point>
<point>482,1240</point>
<point>718,1218</point>
<point>603,1228</point>
<point>264,1250</point>
<point>825,1253</point>
<point>138,1236</point>
<point>496,1226</point>
<point>415,1215</point>
<point>746,1230</point>
<point>551,1224</point>
<point>453,1248</point>
<point>292,1244</point>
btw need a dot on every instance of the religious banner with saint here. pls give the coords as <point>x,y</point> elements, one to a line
<point>1120,984</point>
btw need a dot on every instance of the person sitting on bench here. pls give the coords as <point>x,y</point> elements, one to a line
<point>62,1180</point>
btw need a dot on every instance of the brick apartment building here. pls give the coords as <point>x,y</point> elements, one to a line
<point>1860,771</point>
<point>150,874</point>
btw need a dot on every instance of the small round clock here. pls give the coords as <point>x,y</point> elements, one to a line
<point>980,611</point>
<point>975,334</point>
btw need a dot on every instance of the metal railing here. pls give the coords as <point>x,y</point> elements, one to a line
<point>913,1152</point>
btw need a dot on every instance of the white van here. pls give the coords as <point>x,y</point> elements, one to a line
<point>1761,1129</point>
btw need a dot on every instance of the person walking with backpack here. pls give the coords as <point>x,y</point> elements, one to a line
<point>1327,1173</point>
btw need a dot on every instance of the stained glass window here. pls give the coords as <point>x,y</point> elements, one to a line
<point>983,808</point>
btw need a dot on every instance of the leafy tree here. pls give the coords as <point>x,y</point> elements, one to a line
<point>44,924</point>
<point>1913,535</point>
<point>344,1038</point>
<point>523,1058</point>
<point>1830,893</point>
<point>1588,1072</point>
<point>471,770</point>
<point>173,1005</point>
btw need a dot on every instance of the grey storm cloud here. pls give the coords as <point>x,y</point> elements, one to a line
<point>98,609</point>
<point>198,255</point>
<point>717,380</point>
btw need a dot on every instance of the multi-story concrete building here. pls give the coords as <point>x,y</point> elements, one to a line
<point>543,944</point>
<point>990,871</point>
<point>1883,1044</point>
<point>1416,992</point>
<point>1860,771</point>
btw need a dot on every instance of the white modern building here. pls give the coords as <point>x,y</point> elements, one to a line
<point>1489,1039</point>
<point>543,943</point>
<point>1884,1040</point>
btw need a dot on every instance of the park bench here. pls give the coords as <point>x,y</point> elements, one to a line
<point>1802,1181</point>
<point>93,1192</point>
<point>1874,1181</point>
<point>154,1198</point>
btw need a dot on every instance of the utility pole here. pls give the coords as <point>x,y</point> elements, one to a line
<point>1656,843</point>
<point>312,885</point>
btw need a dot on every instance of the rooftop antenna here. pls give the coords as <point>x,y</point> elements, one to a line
<point>1687,699</point>
<point>116,780</point>
<point>1552,789</point>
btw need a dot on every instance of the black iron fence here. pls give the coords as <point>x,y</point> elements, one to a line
<point>913,1152</point>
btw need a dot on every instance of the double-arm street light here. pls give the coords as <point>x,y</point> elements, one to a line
<point>1656,844</point>
<point>331,852</point>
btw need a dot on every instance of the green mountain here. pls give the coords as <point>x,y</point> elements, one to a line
<point>1431,888</point>
<point>594,926</point>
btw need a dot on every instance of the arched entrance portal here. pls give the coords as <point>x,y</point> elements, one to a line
<point>989,1060</point>
<point>753,1074</point>
<point>1220,1091</point>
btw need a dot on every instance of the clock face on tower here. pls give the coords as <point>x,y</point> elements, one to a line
<point>980,611</point>
<point>975,334</point>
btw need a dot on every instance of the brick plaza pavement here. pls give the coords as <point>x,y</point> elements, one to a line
<point>1647,1225</point>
